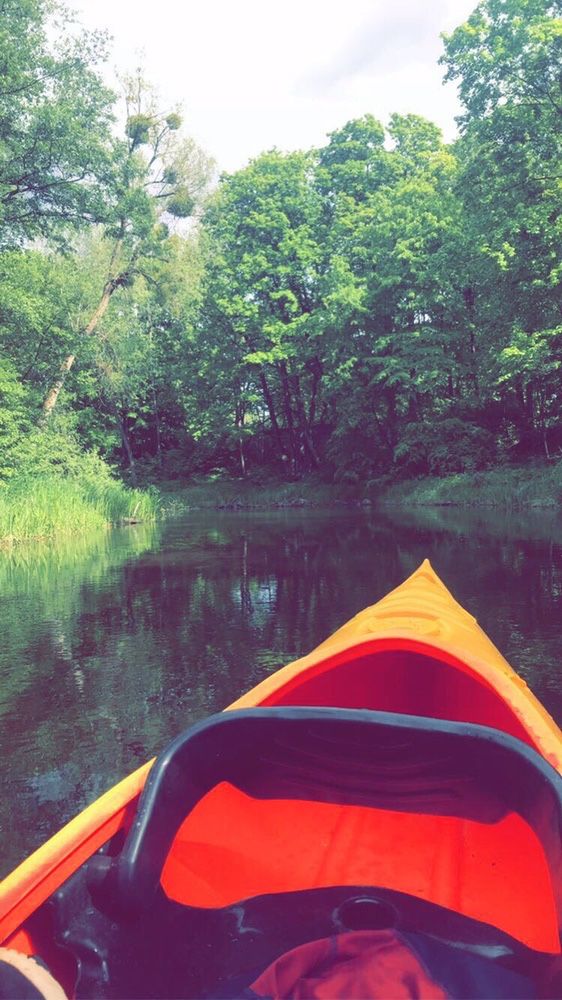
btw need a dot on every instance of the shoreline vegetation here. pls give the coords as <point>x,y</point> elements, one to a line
<point>47,507</point>
<point>509,488</point>
<point>50,487</point>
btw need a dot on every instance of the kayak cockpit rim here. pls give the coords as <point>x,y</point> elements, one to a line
<point>530,721</point>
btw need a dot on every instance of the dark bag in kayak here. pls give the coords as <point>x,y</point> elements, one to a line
<point>383,964</point>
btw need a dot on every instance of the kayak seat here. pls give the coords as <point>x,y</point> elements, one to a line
<point>381,764</point>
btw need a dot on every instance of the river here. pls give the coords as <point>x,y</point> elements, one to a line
<point>112,644</point>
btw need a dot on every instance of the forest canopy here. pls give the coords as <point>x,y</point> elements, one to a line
<point>387,305</point>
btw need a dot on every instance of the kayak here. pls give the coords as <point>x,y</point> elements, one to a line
<point>398,784</point>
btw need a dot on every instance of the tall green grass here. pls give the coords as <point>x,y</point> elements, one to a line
<point>49,486</point>
<point>48,505</point>
<point>509,488</point>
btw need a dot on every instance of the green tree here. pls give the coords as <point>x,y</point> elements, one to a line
<point>14,416</point>
<point>43,297</point>
<point>55,118</point>
<point>354,162</point>
<point>265,294</point>
<point>397,352</point>
<point>507,59</point>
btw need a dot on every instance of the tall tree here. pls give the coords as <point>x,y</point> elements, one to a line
<point>507,59</point>
<point>272,291</point>
<point>153,176</point>
<point>397,352</point>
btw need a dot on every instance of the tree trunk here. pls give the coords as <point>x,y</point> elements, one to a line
<point>390,428</point>
<point>287,406</point>
<point>239,422</point>
<point>268,398</point>
<point>304,425</point>
<point>542,417</point>
<point>530,407</point>
<point>413,412</point>
<point>158,434</point>
<point>473,370</point>
<point>470,304</point>
<point>54,391</point>
<point>126,443</point>
<point>316,368</point>
<point>97,315</point>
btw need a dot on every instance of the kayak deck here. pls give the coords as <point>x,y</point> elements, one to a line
<point>415,651</point>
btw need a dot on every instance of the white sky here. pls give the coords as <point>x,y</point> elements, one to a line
<point>253,74</point>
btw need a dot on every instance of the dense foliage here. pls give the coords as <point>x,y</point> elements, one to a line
<point>387,305</point>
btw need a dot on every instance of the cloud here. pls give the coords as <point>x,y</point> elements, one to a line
<point>253,74</point>
<point>384,41</point>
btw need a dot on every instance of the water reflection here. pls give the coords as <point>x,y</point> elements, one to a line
<point>112,645</point>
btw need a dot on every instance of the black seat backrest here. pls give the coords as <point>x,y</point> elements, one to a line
<point>346,756</point>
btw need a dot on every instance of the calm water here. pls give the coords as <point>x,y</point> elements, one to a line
<point>109,646</point>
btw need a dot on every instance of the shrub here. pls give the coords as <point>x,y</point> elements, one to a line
<point>355,456</point>
<point>444,448</point>
<point>13,417</point>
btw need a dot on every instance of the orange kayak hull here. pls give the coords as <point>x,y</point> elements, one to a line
<point>414,652</point>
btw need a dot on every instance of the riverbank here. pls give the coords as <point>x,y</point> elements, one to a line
<point>240,494</point>
<point>47,506</point>
<point>508,488</point>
